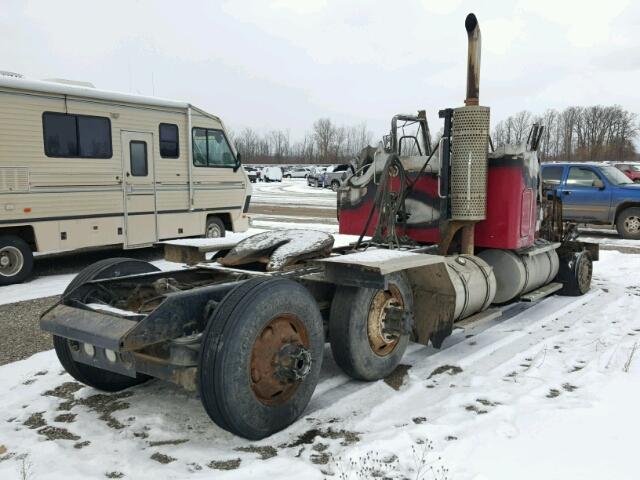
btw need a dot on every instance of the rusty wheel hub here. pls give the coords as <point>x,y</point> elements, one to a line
<point>383,337</point>
<point>280,359</point>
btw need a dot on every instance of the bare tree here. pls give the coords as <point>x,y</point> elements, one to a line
<point>324,133</point>
<point>593,133</point>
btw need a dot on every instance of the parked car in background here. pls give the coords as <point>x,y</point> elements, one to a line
<point>335,176</point>
<point>252,173</point>
<point>296,173</point>
<point>598,194</point>
<point>314,177</point>
<point>631,170</point>
<point>272,174</point>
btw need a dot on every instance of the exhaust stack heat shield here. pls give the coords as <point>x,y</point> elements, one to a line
<point>470,144</point>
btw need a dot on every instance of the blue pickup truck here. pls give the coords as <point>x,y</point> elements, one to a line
<point>597,194</point>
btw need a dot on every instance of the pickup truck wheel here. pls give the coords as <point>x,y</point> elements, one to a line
<point>628,223</point>
<point>364,342</point>
<point>260,357</point>
<point>575,273</point>
<point>93,376</point>
<point>16,260</point>
<point>335,185</point>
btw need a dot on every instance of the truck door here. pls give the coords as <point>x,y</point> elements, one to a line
<point>583,197</point>
<point>140,220</point>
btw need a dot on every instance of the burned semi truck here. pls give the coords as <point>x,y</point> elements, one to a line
<point>442,234</point>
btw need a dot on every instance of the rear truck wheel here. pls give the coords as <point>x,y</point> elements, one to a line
<point>369,328</point>
<point>260,357</point>
<point>215,228</point>
<point>16,260</point>
<point>575,273</point>
<point>335,185</point>
<point>628,223</point>
<point>87,374</point>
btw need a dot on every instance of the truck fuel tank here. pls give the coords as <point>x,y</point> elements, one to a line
<point>474,284</point>
<point>520,273</point>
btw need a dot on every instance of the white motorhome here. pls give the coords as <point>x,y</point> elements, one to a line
<point>85,168</point>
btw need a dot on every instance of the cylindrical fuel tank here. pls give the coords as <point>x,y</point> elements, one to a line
<point>518,274</point>
<point>474,284</point>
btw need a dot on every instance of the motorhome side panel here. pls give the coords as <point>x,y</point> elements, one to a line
<point>60,192</point>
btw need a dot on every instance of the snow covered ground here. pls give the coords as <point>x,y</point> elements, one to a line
<point>609,239</point>
<point>294,192</point>
<point>550,392</point>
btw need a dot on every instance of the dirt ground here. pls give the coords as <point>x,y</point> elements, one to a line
<point>21,335</point>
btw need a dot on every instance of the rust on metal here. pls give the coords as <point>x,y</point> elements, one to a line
<point>448,231</point>
<point>473,60</point>
<point>279,359</point>
<point>381,340</point>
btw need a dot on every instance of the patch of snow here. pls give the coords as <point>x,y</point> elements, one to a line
<point>385,260</point>
<point>101,307</point>
<point>37,288</point>
<point>282,247</point>
<point>270,225</point>
<point>212,242</point>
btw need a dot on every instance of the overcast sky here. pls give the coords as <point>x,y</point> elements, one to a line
<point>282,64</point>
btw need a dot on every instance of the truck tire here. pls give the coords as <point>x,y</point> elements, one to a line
<point>214,228</point>
<point>335,185</point>
<point>260,357</point>
<point>359,345</point>
<point>92,376</point>
<point>628,223</point>
<point>16,260</point>
<point>109,268</point>
<point>575,273</point>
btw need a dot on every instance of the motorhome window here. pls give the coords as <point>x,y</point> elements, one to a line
<point>60,135</point>
<point>169,141</point>
<point>94,137</point>
<point>210,149</point>
<point>200,147</point>
<point>76,136</point>
<point>138,158</point>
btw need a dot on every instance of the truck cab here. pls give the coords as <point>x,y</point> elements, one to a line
<point>598,194</point>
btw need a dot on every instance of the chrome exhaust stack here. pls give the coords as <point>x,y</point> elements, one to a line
<point>473,59</point>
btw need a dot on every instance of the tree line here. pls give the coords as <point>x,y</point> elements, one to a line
<point>326,142</point>
<point>594,133</point>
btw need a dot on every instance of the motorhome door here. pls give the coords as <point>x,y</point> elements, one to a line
<point>139,189</point>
